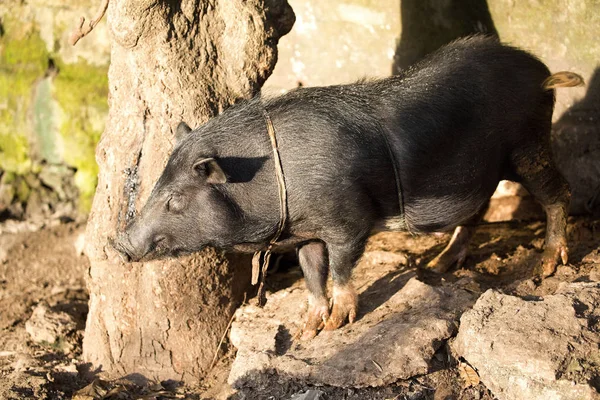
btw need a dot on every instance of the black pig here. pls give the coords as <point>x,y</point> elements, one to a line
<point>471,114</point>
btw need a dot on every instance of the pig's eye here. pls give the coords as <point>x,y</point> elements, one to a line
<point>175,203</point>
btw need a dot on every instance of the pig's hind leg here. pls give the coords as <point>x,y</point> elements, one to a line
<point>536,171</point>
<point>455,252</point>
<point>458,248</point>
<point>313,261</point>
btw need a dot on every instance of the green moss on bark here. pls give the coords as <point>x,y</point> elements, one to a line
<point>23,60</point>
<point>81,91</point>
<point>76,98</point>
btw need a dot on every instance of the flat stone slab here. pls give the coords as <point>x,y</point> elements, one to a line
<point>402,322</point>
<point>538,348</point>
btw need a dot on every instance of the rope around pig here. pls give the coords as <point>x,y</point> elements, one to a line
<point>283,216</point>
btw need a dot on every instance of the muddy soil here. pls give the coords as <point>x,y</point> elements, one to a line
<point>45,267</point>
<point>40,267</point>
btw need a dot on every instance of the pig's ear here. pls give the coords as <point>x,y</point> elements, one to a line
<point>209,168</point>
<point>182,131</point>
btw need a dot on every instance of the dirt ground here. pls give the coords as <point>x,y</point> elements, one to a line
<point>45,268</point>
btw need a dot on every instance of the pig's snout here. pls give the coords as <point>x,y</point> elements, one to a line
<point>134,248</point>
<point>123,245</point>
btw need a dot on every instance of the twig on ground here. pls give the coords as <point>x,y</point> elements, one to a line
<point>376,364</point>
<point>214,361</point>
<point>84,29</point>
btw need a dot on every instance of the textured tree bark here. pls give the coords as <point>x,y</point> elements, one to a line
<point>170,61</point>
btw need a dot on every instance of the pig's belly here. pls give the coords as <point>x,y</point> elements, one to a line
<point>436,214</point>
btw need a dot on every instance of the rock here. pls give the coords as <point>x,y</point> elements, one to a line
<point>48,326</point>
<point>535,348</point>
<point>52,176</point>
<point>7,191</point>
<point>507,208</point>
<point>512,201</point>
<point>386,257</point>
<point>510,189</point>
<point>36,209</point>
<point>310,394</point>
<point>395,339</point>
<point>79,244</point>
<point>595,273</point>
<point>368,32</point>
<point>592,258</point>
<point>7,241</point>
<point>24,362</point>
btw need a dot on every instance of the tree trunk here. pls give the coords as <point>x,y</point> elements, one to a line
<point>170,61</point>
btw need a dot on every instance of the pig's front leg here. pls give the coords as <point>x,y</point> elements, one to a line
<point>313,261</point>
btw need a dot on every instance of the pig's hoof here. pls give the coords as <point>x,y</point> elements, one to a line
<point>315,321</point>
<point>345,306</point>
<point>446,259</point>
<point>552,255</point>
